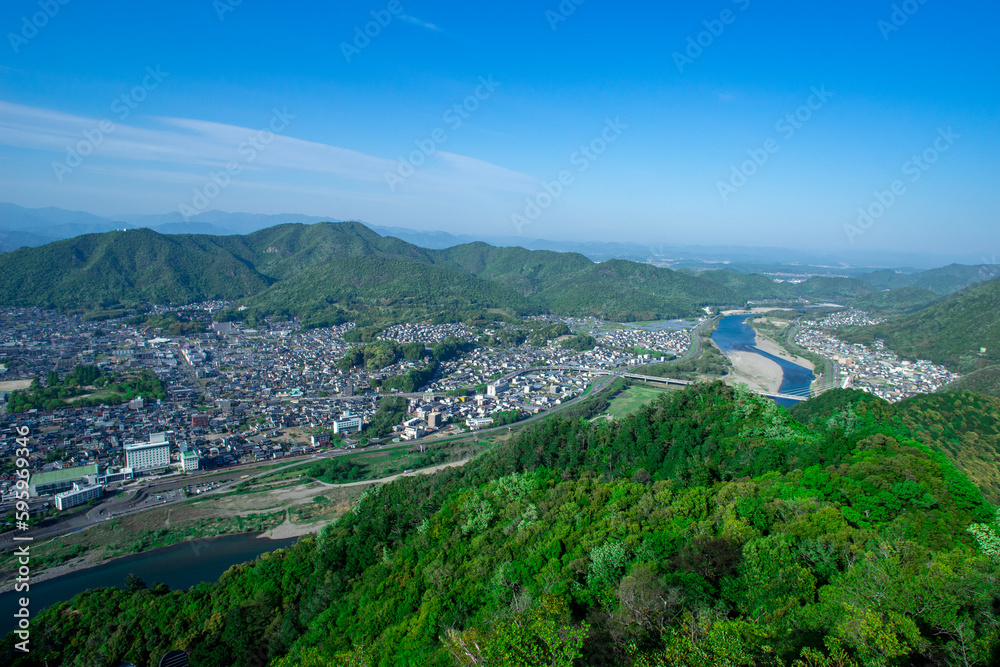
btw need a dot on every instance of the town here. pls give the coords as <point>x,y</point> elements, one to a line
<point>230,394</point>
<point>223,394</point>
<point>873,369</point>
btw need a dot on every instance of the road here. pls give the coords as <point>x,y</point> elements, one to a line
<point>694,351</point>
<point>132,499</point>
<point>832,366</point>
<point>140,499</point>
<point>144,498</point>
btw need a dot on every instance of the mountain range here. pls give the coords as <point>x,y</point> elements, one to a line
<point>50,224</point>
<point>329,272</point>
<point>333,272</point>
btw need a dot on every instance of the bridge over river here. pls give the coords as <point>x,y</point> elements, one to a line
<point>796,397</point>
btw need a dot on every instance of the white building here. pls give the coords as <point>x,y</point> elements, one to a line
<point>148,455</point>
<point>412,433</point>
<point>189,460</point>
<point>194,357</point>
<point>79,495</point>
<point>348,424</point>
<point>495,388</point>
<point>475,423</point>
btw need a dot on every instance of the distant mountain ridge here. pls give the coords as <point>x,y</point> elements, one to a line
<point>57,224</point>
<point>333,272</point>
<point>942,281</point>
<point>328,273</point>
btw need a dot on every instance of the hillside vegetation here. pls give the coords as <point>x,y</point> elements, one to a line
<point>960,424</point>
<point>941,281</point>
<point>953,331</point>
<point>328,273</point>
<point>139,265</point>
<point>895,301</point>
<point>983,381</point>
<point>709,528</point>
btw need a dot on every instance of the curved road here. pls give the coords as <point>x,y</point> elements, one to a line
<point>131,500</point>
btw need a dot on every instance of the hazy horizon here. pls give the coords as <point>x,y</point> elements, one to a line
<point>561,121</point>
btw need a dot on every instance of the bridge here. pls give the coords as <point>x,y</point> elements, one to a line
<point>796,395</point>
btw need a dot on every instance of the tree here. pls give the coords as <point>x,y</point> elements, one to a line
<point>134,583</point>
<point>543,636</point>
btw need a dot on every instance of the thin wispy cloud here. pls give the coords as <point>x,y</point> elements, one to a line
<point>423,24</point>
<point>182,149</point>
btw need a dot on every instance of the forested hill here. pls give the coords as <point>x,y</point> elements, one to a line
<point>961,331</point>
<point>328,273</point>
<point>710,528</point>
<point>963,425</point>
<point>895,301</point>
<point>942,281</point>
<point>984,381</point>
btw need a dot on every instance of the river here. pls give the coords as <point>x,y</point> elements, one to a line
<point>179,566</point>
<point>735,334</point>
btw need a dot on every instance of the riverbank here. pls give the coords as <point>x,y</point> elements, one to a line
<point>754,370</point>
<point>179,567</point>
<point>299,502</point>
<point>771,347</point>
<point>93,559</point>
<point>759,361</point>
<point>759,310</point>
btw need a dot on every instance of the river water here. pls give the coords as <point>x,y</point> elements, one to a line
<point>184,565</point>
<point>735,334</point>
<point>180,566</point>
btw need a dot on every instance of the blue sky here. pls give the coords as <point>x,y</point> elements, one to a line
<point>643,124</point>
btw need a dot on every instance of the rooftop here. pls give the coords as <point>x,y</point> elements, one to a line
<point>64,474</point>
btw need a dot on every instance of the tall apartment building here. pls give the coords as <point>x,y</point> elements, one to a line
<point>148,455</point>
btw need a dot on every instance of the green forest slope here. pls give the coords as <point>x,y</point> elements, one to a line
<point>952,331</point>
<point>709,528</point>
<point>983,381</point>
<point>330,271</point>
<point>963,425</point>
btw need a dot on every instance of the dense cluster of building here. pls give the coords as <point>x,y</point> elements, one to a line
<point>426,333</point>
<point>526,392</point>
<point>237,394</point>
<point>669,341</point>
<point>872,368</point>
